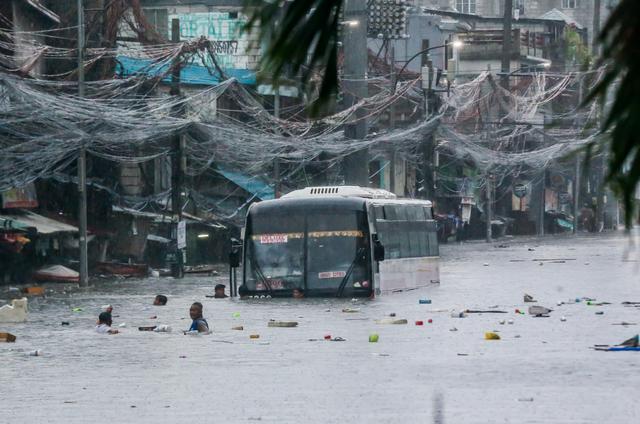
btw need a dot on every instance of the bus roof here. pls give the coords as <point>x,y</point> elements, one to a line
<point>370,195</point>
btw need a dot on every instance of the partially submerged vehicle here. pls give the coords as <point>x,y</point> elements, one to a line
<point>343,241</point>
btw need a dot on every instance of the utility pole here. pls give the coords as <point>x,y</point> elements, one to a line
<point>392,114</point>
<point>82,162</point>
<point>276,161</point>
<point>177,165</point>
<point>356,165</point>
<point>506,43</point>
<point>488,210</point>
<point>596,27</point>
<point>428,168</point>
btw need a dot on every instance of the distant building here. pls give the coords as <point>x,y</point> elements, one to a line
<point>579,12</point>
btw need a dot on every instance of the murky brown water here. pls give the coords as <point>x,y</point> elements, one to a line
<point>541,371</point>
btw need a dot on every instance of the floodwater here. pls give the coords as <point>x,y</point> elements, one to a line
<point>541,371</point>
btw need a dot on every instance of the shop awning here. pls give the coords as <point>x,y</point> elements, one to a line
<point>160,218</point>
<point>252,185</point>
<point>44,225</point>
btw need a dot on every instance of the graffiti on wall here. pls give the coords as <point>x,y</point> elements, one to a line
<point>224,30</point>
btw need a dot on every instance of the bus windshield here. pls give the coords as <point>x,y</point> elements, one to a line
<point>323,252</point>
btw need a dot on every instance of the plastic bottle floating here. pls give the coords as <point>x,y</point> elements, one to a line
<point>373,338</point>
<point>424,301</point>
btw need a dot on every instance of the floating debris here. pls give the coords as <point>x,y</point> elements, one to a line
<point>350,310</point>
<point>491,336</point>
<point>528,298</point>
<point>456,314</point>
<point>7,338</point>
<point>373,338</point>
<point>254,336</point>
<point>391,321</point>
<point>239,328</point>
<point>424,301</point>
<point>273,323</point>
<point>539,311</point>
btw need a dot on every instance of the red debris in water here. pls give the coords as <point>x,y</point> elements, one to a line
<point>419,323</point>
<point>327,337</point>
<point>430,321</point>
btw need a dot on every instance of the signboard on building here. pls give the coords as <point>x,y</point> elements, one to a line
<point>24,197</point>
<point>223,29</point>
<point>182,234</point>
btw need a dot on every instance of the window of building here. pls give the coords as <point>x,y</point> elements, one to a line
<point>569,4</point>
<point>466,6</point>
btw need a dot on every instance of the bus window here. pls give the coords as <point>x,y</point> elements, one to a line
<point>275,252</point>
<point>336,243</point>
<point>401,213</point>
<point>378,212</point>
<point>390,213</point>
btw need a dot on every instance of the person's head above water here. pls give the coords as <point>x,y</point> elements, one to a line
<point>219,291</point>
<point>195,311</point>
<point>298,293</point>
<point>160,300</point>
<point>105,318</point>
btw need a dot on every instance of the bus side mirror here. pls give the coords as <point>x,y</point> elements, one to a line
<point>234,258</point>
<point>378,249</point>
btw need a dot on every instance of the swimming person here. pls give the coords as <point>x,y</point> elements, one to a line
<point>160,300</point>
<point>199,324</point>
<point>219,291</point>
<point>298,293</point>
<point>104,324</point>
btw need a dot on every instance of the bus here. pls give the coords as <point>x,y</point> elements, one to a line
<point>343,241</point>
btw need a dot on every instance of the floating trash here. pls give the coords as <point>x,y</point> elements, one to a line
<point>147,328</point>
<point>424,301</point>
<point>239,328</point>
<point>600,313</point>
<point>162,329</point>
<point>327,337</point>
<point>236,315</point>
<point>430,321</point>
<point>491,336</point>
<point>453,329</point>
<point>7,338</point>
<point>254,336</point>
<point>528,298</point>
<point>456,314</point>
<point>373,338</point>
<point>122,325</point>
<point>36,353</point>
<point>563,318</point>
<point>510,322</point>
<point>419,323</point>
<point>350,310</point>
<point>391,321</point>
<point>273,323</point>
<point>539,311</point>
<point>77,310</point>
<point>502,322</point>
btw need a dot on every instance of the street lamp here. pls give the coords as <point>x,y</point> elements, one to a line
<point>456,44</point>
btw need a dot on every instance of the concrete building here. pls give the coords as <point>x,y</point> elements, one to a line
<point>581,12</point>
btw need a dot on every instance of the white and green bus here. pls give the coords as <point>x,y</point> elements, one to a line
<point>343,241</point>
